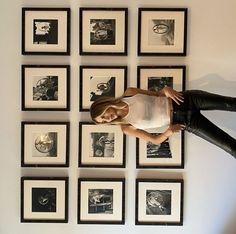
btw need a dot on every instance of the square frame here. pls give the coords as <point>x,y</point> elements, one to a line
<point>159,202</point>
<point>45,87</point>
<point>101,146</point>
<point>111,210</point>
<point>44,199</point>
<point>101,38</point>
<point>45,31</point>
<point>45,144</point>
<point>108,81</point>
<point>177,72</point>
<point>169,154</point>
<point>166,34</point>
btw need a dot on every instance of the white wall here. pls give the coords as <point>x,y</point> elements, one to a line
<point>209,174</point>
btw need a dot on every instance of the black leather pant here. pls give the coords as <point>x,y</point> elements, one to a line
<point>188,113</point>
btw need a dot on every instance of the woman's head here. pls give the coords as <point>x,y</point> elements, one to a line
<point>104,110</point>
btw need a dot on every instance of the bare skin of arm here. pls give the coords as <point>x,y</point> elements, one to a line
<point>132,91</point>
<point>146,136</point>
<point>167,91</point>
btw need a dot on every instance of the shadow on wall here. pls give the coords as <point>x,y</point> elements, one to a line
<point>231,224</point>
<point>214,83</point>
<point>217,84</point>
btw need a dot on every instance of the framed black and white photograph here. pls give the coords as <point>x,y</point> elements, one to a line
<point>45,31</point>
<point>162,31</point>
<point>44,199</point>
<point>101,81</point>
<point>170,153</point>
<point>101,145</point>
<point>45,87</point>
<point>103,31</point>
<point>101,201</point>
<point>45,144</point>
<point>155,78</point>
<point>159,202</point>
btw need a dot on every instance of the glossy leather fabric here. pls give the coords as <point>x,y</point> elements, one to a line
<point>189,113</point>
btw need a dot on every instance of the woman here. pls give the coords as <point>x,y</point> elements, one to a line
<point>139,109</point>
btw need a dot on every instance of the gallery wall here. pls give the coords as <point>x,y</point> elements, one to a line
<point>209,186</point>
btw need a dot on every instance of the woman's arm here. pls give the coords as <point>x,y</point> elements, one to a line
<point>146,136</point>
<point>132,91</point>
<point>167,91</point>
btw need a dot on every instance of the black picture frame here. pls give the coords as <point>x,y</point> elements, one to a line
<point>45,31</point>
<point>101,146</point>
<point>162,31</point>
<point>98,81</point>
<point>45,87</point>
<point>159,202</point>
<point>165,155</point>
<point>44,199</point>
<point>170,153</point>
<point>109,208</point>
<point>45,144</point>
<point>106,23</point>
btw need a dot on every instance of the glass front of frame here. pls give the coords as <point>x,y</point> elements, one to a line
<point>44,199</point>
<point>103,31</point>
<point>45,87</point>
<point>101,201</point>
<point>98,81</point>
<point>159,202</point>
<point>46,31</point>
<point>101,146</point>
<point>162,31</point>
<point>45,144</point>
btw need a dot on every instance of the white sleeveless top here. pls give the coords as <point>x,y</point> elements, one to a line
<point>147,111</point>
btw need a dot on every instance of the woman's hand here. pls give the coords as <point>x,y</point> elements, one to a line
<point>174,128</point>
<point>173,94</point>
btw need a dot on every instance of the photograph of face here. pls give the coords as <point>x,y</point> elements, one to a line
<point>158,202</point>
<point>102,31</point>
<point>159,151</point>
<point>45,144</point>
<point>100,201</point>
<point>102,86</point>
<point>102,144</point>
<point>161,32</point>
<point>45,31</point>
<point>158,83</point>
<point>44,199</point>
<point>45,88</point>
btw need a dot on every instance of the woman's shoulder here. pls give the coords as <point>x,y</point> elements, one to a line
<point>131,91</point>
